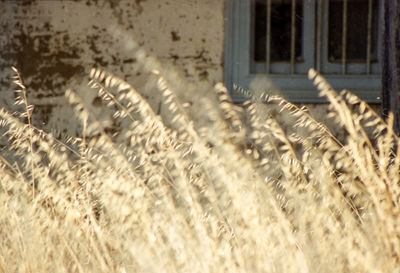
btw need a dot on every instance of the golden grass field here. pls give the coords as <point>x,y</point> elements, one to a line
<point>211,187</point>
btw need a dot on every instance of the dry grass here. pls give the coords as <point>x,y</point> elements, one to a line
<point>209,188</point>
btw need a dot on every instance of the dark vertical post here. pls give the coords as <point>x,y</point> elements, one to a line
<point>344,37</point>
<point>391,61</point>
<point>293,38</point>
<point>268,56</point>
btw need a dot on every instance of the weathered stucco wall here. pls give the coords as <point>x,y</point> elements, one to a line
<point>56,43</point>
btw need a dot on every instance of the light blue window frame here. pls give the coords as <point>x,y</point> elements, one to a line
<point>239,68</point>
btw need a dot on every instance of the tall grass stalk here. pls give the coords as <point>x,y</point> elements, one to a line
<point>210,187</point>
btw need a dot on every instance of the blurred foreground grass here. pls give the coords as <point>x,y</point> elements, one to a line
<point>210,187</point>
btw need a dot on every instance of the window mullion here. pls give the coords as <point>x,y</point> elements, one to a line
<point>319,36</point>
<point>309,45</point>
<point>369,37</point>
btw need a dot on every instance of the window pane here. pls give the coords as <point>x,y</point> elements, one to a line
<point>260,31</point>
<point>357,30</point>
<point>281,14</point>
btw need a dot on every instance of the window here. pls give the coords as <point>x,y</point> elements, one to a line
<point>276,42</point>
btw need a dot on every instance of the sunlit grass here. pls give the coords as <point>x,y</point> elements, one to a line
<point>207,186</point>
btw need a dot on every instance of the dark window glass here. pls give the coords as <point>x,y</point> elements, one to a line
<point>357,30</point>
<point>260,30</point>
<point>281,14</point>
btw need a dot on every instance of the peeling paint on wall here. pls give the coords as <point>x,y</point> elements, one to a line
<point>55,43</point>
